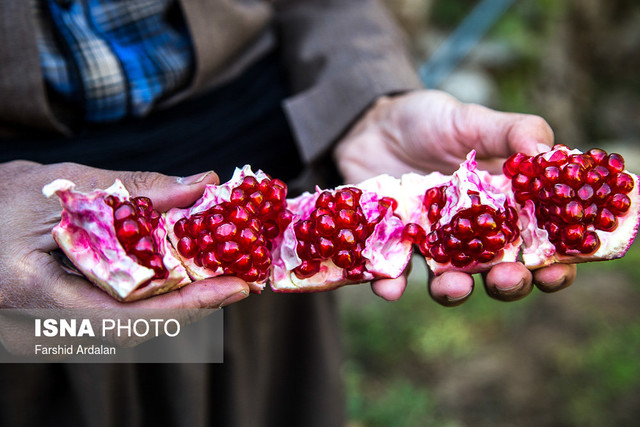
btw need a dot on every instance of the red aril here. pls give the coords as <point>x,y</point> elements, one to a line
<point>464,222</point>
<point>337,237</point>
<point>232,228</point>
<point>116,241</point>
<point>586,208</point>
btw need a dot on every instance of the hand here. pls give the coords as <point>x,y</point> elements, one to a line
<point>427,131</point>
<point>30,278</point>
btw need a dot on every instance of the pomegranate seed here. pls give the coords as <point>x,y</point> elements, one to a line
<point>619,204</point>
<point>554,231</point>
<point>144,247</point>
<point>590,213</point>
<point>206,241</point>
<point>593,177</point>
<point>590,243</point>
<point>462,227</point>
<point>362,232</point>
<point>209,260</point>
<point>253,275</point>
<point>225,231</point>
<point>434,212</point>
<point>562,193</point>
<point>355,273</point>
<point>325,200</point>
<point>124,211</point>
<point>522,196</point>
<point>249,184</point>
<point>195,225</point>
<point>127,230</point>
<point>270,230</point>
<point>452,243</point>
<point>413,233</point>
<point>345,199</point>
<point>388,202</point>
<point>268,209</point>
<point>312,252</point>
<point>486,256</point>
<point>439,254</point>
<point>475,246</point>
<point>111,201</point>
<point>277,194</point>
<point>247,238</point>
<point>615,163</point>
<point>284,219</point>
<point>325,247</point>
<point>343,258</point>
<point>582,160</point>
<point>325,226</point>
<point>558,158</point>
<point>621,182</point>
<point>573,175</point>
<point>255,225</point>
<point>211,221</point>
<point>527,167</point>
<point>187,247</point>
<point>237,197</point>
<point>486,223</point>
<point>573,233</point>
<point>511,166</point>
<point>242,264</point>
<point>227,251</point>
<point>535,185</point>
<point>252,208</point>
<point>597,155</point>
<point>603,192</point>
<point>257,198</point>
<point>307,269</point>
<point>606,220</point>
<point>432,195</point>
<point>345,238</point>
<point>460,259</point>
<point>586,193</point>
<point>572,212</point>
<point>304,230</point>
<point>495,241</point>
<point>520,182</point>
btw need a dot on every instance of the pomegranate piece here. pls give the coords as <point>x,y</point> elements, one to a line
<point>232,228</point>
<point>464,222</point>
<point>118,242</point>
<point>582,207</point>
<point>338,237</point>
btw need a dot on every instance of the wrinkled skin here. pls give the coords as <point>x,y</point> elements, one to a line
<point>425,131</point>
<point>30,278</point>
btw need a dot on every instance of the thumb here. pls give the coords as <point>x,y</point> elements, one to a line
<point>168,191</point>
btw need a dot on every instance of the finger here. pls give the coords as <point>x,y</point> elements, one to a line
<point>450,288</point>
<point>168,191</point>
<point>497,134</point>
<point>555,277</point>
<point>508,281</point>
<point>389,289</point>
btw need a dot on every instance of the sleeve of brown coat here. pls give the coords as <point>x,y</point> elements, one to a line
<point>340,55</point>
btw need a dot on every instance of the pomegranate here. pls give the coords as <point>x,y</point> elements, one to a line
<point>232,228</point>
<point>464,222</point>
<point>116,241</point>
<point>338,237</point>
<point>575,206</point>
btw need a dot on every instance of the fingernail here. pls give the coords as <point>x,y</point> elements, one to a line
<point>511,289</point>
<point>553,284</point>
<point>238,296</point>
<point>194,179</point>
<point>543,148</point>
<point>456,299</point>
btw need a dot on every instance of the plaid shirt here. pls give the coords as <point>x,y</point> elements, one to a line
<point>114,58</point>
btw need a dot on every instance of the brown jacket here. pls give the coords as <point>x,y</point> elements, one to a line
<point>339,54</point>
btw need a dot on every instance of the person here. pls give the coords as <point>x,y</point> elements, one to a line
<point>104,90</point>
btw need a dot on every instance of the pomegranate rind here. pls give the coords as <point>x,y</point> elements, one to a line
<point>86,234</point>
<point>538,251</point>
<point>213,195</point>
<point>493,190</point>
<point>386,254</point>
